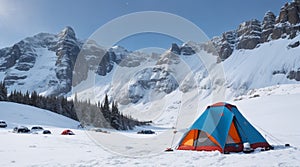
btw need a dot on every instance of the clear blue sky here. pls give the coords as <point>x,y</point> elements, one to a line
<point>20,18</point>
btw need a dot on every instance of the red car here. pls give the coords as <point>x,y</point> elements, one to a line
<point>67,132</point>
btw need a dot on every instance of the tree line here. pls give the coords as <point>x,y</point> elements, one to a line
<point>104,115</point>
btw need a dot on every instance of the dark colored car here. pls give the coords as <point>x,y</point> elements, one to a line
<point>21,129</point>
<point>3,124</point>
<point>145,132</point>
<point>46,132</point>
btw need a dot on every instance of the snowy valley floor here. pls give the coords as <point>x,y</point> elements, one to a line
<point>276,115</point>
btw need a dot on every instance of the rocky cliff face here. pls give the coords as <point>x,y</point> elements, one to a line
<point>48,63</point>
<point>251,33</point>
<point>32,57</point>
<point>185,49</point>
<point>67,49</point>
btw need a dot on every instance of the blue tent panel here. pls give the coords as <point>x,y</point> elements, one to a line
<point>247,132</point>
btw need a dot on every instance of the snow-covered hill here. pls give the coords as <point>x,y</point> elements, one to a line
<point>274,114</point>
<point>19,114</point>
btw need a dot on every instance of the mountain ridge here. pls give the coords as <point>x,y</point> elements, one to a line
<point>250,34</point>
<point>22,64</point>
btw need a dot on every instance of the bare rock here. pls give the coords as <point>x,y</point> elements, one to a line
<point>294,45</point>
<point>294,75</point>
<point>289,13</point>
<point>249,34</point>
<point>187,50</point>
<point>175,49</point>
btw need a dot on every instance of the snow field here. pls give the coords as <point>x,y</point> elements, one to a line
<point>274,115</point>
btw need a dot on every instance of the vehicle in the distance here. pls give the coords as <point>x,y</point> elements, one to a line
<point>36,129</point>
<point>3,124</point>
<point>98,130</point>
<point>145,132</point>
<point>46,132</point>
<point>67,132</point>
<point>21,129</point>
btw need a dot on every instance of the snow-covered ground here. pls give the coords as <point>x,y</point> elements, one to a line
<point>274,111</point>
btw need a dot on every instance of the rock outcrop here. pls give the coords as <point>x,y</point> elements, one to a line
<point>248,34</point>
<point>175,49</point>
<point>251,33</point>
<point>268,25</point>
<point>294,75</point>
<point>289,13</point>
<point>157,79</point>
<point>185,49</point>
<point>67,49</point>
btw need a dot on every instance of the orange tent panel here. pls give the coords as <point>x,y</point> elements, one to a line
<point>234,134</point>
<point>190,138</point>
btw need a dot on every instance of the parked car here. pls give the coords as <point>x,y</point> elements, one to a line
<point>67,132</point>
<point>36,129</point>
<point>98,130</point>
<point>3,124</point>
<point>46,132</point>
<point>21,129</point>
<point>145,132</point>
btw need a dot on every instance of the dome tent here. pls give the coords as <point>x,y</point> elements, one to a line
<point>221,127</point>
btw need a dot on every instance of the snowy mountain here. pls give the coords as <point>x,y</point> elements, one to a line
<point>42,63</point>
<point>257,54</point>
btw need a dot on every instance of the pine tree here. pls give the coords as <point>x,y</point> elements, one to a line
<point>106,103</point>
<point>33,98</point>
<point>27,98</point>
<point>105,109</point>
<point>114,121</point>
<point>3,92</point>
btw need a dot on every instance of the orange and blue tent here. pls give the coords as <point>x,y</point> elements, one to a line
<point>221,127</point>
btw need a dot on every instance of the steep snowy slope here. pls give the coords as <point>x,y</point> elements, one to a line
<point>271,63</point>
